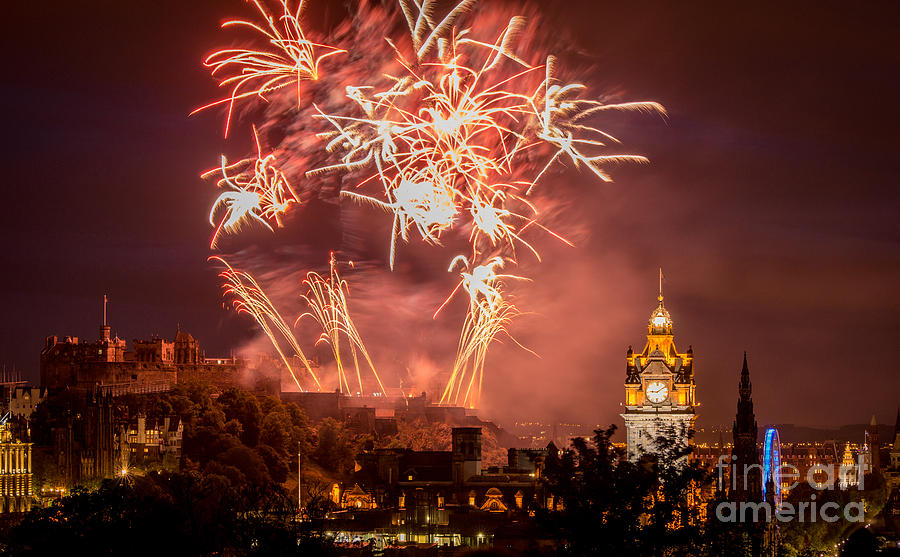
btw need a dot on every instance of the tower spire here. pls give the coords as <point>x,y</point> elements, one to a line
<point>745,389</point>
<point>660,320</point>
<point>748,486</point>
<point>660,286</point>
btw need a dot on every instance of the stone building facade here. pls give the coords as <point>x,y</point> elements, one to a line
<point>15,470</point>
<point>151,442</point>
<point>151,365</point>
<point>659,389</point>
<point>84,439</point>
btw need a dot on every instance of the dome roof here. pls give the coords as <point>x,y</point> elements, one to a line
<point>660,321</point>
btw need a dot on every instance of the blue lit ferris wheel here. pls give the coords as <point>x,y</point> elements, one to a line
<point>772,465</point>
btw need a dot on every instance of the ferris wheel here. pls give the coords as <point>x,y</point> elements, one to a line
<point>772,465</point>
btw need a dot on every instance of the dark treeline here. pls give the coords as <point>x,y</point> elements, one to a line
<point>235,493</point>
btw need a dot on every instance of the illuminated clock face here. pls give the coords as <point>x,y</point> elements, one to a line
<point>657,391</point>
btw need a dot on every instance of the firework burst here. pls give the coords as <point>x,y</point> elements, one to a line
<point>288,59</point>
<point>256,191</point>
<point>450,130</point>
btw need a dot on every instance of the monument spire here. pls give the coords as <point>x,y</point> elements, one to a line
<point>747,485</point>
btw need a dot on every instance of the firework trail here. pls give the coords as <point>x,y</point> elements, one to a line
<point>257,191</point>
<point>248,297</point>
<point>289,58</point>
<point>446,130</point>
<point>488,317</point>
<point>327,301</point>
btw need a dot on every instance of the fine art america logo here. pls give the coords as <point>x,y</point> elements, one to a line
<point>803,511</point>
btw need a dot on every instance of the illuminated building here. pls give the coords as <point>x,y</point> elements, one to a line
<point>848,475</point>
<point>442,497</point>
<point>659,388</point>
<point>153,443</point>
<point>17,397</point>
<point>805,456</point>
<point>15,470</point>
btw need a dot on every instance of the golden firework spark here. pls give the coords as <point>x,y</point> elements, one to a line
<point>487,317</point>
<point>328,306</point>
<point>248,297</point>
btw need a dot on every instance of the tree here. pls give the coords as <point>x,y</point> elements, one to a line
<point>334,449</point>
<point>612,506</point>
<point>275,462</point>
<point>244,407</point>
<point>227,500</point>
<point>205,443</point>
<point>249,462</point>
<point>277,432</point>
<point>861,543</point>
<point>195,513</point>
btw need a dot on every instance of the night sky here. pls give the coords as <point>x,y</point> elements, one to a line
<point>770,202</point>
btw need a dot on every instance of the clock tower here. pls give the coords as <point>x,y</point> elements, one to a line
<point>659,388</point>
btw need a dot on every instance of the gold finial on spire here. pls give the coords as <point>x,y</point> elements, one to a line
<point>660,285</point>
<point>660,320</point>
